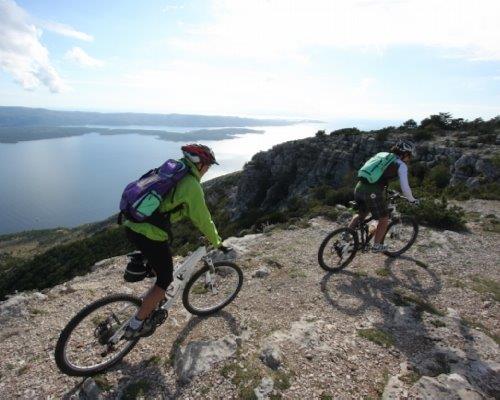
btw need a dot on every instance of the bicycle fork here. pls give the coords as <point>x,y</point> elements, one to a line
<point>209,276</point>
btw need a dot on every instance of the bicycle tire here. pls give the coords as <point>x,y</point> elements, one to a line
<point>60,358</point>
<point>322,247</point>
<point>404,219</point>
<point>194,278</point>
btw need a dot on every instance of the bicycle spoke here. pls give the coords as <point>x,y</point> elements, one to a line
<point>88,341</point>
<point>337,250</point>
<point>212,290</point>
<point>400,236</point>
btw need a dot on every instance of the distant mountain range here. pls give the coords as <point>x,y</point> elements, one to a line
<point>23,116</point>
<point>19,124</point>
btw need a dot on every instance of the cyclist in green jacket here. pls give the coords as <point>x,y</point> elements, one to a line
<point>186,200</point>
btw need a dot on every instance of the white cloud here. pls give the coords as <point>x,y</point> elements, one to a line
<point>66,30</point>
<point>214,89</point>
<point>79,56</point>
<point>172,7</point>
<point>21,52</point>
<point>266,30</point>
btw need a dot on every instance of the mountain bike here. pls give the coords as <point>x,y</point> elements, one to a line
<point>92,340</point>
<point>340,246</point>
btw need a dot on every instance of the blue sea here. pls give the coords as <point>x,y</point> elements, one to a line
<point>74,180</point>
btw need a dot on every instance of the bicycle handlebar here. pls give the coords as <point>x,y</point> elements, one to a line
<point>394,194</point>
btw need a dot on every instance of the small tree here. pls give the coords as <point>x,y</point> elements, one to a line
<point>439,121</point>
<point>410,124</point>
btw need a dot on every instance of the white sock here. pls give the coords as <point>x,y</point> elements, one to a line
<point>135,323</point>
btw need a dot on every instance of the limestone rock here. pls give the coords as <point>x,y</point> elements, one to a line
<point>199,357</point>
<point>262,272</point>
<point>89,390</point>
<point>394,390</point>
<point>264,389</point>
<point>444,387</point>
<point>271,356</point>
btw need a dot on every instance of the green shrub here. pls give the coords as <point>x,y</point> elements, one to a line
<point>377,336</point>
<point>422,134</point>
<point>324,211</point>
<point>488,191</point>
<point>346,131</point>
<point>459,192</point>
<point>437,214</point>
<point>418,170</point>
<point>486,286</point>
<point>439,176</point>
<point>62,263</point>
<point>381,136</point>
<point>320,192</point>
<point>339,196</point>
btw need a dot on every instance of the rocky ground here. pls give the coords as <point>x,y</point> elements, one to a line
<point>422,326</point>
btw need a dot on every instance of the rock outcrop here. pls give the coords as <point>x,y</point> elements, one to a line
<point>290,169</point>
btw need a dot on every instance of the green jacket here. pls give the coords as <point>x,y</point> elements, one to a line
<point>189,193</point>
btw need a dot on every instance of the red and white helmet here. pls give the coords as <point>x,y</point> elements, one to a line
<point>199,153</point>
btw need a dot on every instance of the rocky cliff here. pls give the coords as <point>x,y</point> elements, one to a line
<point>290,169</point>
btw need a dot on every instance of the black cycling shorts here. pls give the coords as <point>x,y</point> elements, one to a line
<point>373,202</point>
<point>157,253</point>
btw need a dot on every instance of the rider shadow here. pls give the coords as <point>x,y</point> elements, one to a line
<point>356,294</point>
<point>195,321</point>
<point>230,320</point>
<point>364,287</point>
<point>145,376</point>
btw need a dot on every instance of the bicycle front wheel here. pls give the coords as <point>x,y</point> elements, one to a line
<point>338,249</point>
<point>208,292</point>
<point>400,236</point>
<point>82,348</point>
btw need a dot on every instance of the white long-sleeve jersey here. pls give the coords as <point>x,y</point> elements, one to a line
<point>403,180</point>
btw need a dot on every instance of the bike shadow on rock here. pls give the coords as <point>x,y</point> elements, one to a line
<point>147,374</point>
<point>144,377</point>
<point>378,291</point>
<point>392,301</point>
<point>228,318</point>
<point>432,341</point>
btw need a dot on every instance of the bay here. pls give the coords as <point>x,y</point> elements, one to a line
<point>69,181</point>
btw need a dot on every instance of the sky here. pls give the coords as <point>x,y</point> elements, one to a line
<point>323,59</point>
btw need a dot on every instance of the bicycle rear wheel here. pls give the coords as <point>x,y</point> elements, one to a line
<point>207,292</point>
<point>400,236</point>
<point>338,249</point>
<point>82,348</point>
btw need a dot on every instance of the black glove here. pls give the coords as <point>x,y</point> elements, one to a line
<point>225,249</point>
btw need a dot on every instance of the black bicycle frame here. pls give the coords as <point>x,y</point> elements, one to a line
<point>364,236</point>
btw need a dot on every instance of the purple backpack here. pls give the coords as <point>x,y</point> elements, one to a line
<point>141,198</point>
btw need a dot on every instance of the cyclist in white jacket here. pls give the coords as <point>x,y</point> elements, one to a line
<point>371,196</point>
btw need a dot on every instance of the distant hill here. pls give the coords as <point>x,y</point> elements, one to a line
<point>23,116</point>
<point>19,124</point>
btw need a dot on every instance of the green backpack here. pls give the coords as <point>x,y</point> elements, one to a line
<point>373,169</point>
